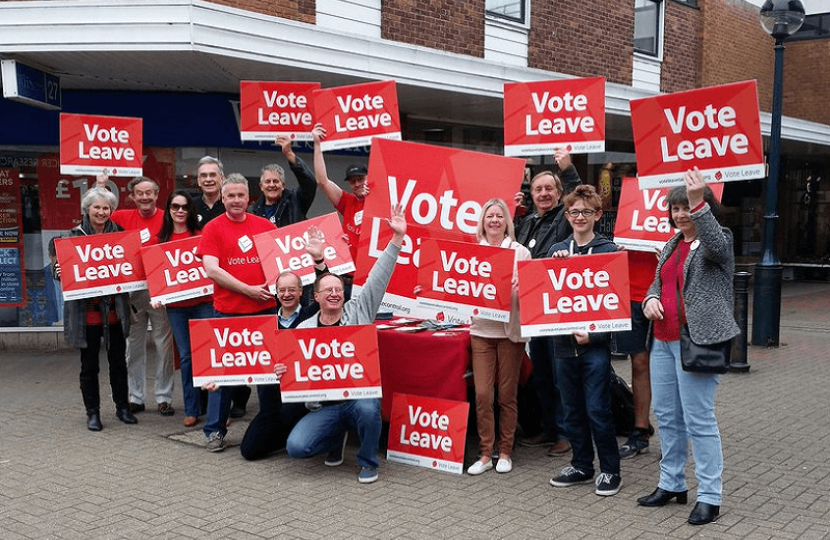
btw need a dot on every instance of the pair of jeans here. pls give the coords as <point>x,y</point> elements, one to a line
<point>322,430</point>
<point>137,350</point>
<point>179,318</point>
<point>544,383</point>
<point>90,366</point>
<point>584,382</point>
<point>684,404</point>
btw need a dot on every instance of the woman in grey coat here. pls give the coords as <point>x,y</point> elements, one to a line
<point>697,263</point>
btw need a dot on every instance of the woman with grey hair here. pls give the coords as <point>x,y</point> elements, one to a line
<point>87,321</point>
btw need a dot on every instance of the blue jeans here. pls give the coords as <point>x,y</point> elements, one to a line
<point>322,431</point>
<point>543,381</point>
<point>584,382</point>
<point>684,404</point>
<point>179,318</point>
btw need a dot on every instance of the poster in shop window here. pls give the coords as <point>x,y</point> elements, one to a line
<point>12,281</point>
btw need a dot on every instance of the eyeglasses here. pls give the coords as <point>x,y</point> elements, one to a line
<point>176,207</point>
<point>283,290</point>
<point>331,290</point>
<point>586,213</point>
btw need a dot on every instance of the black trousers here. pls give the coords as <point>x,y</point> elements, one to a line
<point>269,429</point>
<point>90,366</point>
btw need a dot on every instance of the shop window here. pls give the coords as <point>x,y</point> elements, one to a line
<point>647,22</point>
<point>512,10</point>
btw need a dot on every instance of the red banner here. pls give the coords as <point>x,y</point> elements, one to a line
<point>233,351</point>
<point>329,364</point>
<point>642,222</point>
<point>269,109</point>
<point>428,432</point>
<point>174,272</point>
<point>716,129</point>
<point>462,279</point>
<point>90,144</point>
<point>442,191</point>
<point>353,115</point>
<point>541,116</point>
<point>561,296</point>
<point>283,250</point>
<point>100,264</point>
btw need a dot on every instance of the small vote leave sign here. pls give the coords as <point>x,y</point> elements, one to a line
<point>642,222</point>
<point>329,364</point>
<point>465,279</point>
<point>716,129</point>
<point>268,109</point>
<point>428,432</point>
<point>544,115</point>
<point>283,250</point>
<point>90,144</point>
<point>581,293</point>
<point>174,272</point>
<point>100,264</point>
<point>354,115</point>
<point>233,351</point>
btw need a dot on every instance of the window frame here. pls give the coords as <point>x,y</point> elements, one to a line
<point>659,29</point>
<point>523,20</point>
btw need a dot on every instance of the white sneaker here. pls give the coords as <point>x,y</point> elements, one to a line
<point>479,467</point>
<point>504,465</point>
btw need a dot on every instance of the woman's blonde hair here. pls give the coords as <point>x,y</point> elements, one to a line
<point>510,232</point>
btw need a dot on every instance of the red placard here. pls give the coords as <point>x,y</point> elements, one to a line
<point>428,432</point>
<point>174,272</point>
<point>329,364</point>
<point>268,109</point>
<point>642,222</point>
<point>541,116</point>
<point>90,144</point>
<point>353,115</point>
<point>716,129</point>
<point>462,279</point>
<point>442,191</point>
<point>233,351</point>
<point>100,264</point>
<point>283,250</point>
<point>585,292</point>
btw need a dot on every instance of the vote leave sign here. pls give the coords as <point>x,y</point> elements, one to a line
<point>174,272</point>
<point>465,279</point>
<point>329,364</point>
<point>90,144</point>
<point>233,351</point>
<point>269,109</point>
<point>428,432</point>
<point>584,292</point>
<point>100,264</point>
<point>353,115</point>
<point>716,129</point>
<point>642,222</point>
<point>540,116</point>
<point>442,191</point>
<point>283,250</point>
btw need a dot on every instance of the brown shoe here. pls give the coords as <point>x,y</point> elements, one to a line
<point>165,409</point>
<point>561,448</point>
<point>190,421</point>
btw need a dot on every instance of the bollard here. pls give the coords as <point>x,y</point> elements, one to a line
<point>739,362</point>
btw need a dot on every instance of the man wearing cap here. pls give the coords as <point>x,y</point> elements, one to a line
<point>283,206</point>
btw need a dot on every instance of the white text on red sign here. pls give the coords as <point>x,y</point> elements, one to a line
<point>557,104</point>
<point>464,287</point>
<point>327,372</point>
<point>418,417</point>
<point>710,117</point>
<point>296,243</point>
<point>574,281</point>
<point>105,152</point>
<point>283,101</point>
<point>183,277</point>
<point>350,105</point>
<point>652,223</point>
<point>102,271</point>
<point>245,338</point>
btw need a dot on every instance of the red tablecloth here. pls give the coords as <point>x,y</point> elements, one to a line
<point>423,364</point>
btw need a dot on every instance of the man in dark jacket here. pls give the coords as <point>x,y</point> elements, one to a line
<point>283,206</point>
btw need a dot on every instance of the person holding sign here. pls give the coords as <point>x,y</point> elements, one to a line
<point>324,429</point>
<point>583,366</point>
<point>87,321</point>
<point>694,277</point>
<point>283,206</point>
<point>497,351</point>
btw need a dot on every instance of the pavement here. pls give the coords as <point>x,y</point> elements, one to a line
<point>156,480</point>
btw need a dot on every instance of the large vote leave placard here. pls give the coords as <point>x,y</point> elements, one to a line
<point>90,144</point>
<point>354,115</point>
<point>268,109</point>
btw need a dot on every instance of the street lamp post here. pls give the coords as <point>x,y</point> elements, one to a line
<point>780,19</point>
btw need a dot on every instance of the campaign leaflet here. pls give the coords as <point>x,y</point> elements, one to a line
<point>544,115</point>
<point>268,109</point>
<point>283,250</point>
<point>462,279</point>
<point>233,351</point>
<point>354,115</point>
<point>329,363</point>
<point>100,264</point>
<point>90,144</point>
<point>716,129</point>
<point>587,293</point>
<point>428,432</point>
<point>175,272</point>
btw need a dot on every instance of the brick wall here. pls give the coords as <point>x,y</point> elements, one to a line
<point>455,26</point>
<point>681,48</point>
<point>806,80</point>
<point>296,10</point>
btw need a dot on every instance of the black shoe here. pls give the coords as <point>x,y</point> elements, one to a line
<point>704,513</point>
<point>661,497</point>
<point>124,414</point>
<point>93,420</point>
<point>240,401</point>
<point>136,407</point>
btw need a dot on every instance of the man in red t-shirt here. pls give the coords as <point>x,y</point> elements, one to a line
<point>231,261</point>
<point>147,219</point>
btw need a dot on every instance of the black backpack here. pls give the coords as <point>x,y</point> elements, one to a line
<point>622,404</point>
